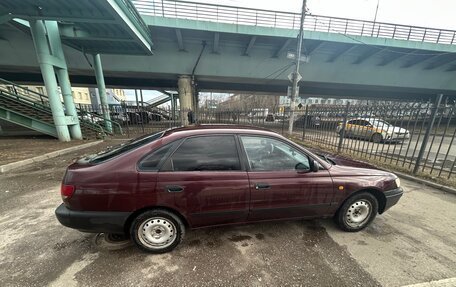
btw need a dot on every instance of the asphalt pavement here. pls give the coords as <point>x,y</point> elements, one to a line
<point>412,243</point>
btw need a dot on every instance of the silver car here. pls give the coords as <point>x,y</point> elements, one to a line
<point>373,129</point>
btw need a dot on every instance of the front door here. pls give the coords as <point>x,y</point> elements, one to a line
<point>208,181</point>
<point>278,189</point>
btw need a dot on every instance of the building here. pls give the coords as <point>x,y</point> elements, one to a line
<point>80,95</point>
<point>247,102</point>
<point>113,96</point>
<point>285,101</point>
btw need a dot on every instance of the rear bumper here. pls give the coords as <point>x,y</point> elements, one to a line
<point>92,221</point>
<point>392,197</point>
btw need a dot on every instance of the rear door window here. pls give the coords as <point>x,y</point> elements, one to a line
<point>205,153</point>
<point>153,161</point>
<point>121,149</point>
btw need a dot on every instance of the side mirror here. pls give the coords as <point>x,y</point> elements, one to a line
<point>300,167</point>
<point>313,165</point>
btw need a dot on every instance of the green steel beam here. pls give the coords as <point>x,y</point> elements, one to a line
<point>102,91</point>
<point>97,38</point>
<point>67,18</point>
<point>55,46</point>
<point>341,52</point>
<point>180,40</point>
<point>282,48</point>
<point>27,121</point>
<point>5,18</point>
<point>133,22</point>
<point>394,57</point>
<point>47,70</point>
<point>417,60</point>
<point>156,21</point>
<point>440,61</point>
<point>313,48</point>
<point>216,47</point>
<point>250,45</point>
<point>369,53</point>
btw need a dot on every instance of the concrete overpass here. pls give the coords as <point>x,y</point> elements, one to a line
<point>225,48</point>
<point>246,50</point>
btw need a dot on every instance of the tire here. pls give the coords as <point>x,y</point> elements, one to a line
<point>377,138</point>
<point>108,241</point>
<point>157,231</point>
<point>357,212</point>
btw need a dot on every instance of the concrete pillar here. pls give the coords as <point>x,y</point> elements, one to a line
<point>50,82</point>
<point>173,107</point>
<point>68,100</point>
<point>102,91</point>
<point>55,45</point>
<point>184,85</point>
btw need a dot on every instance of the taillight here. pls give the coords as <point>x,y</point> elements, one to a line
<point>66,191</point>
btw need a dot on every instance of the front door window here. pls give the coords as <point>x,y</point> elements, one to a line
<point>267,154</point>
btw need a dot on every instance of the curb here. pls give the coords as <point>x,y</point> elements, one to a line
<point>426,182</point>
<point>18,164</point>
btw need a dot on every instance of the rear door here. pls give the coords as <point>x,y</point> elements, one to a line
<point>278,190</point>
<point>209,183</point>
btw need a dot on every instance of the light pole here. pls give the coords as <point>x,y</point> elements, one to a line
<point>296,76</point>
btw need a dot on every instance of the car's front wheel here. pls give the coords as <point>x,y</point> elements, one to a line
<point>357,212</point>
<point>377,138</point>
<point>157,231</point>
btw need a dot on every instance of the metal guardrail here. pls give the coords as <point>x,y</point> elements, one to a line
<point>31,96</point>
<point>41,102</point>
<point>290,20</point>
<point>135,16</point>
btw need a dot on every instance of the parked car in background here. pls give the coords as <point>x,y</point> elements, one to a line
<point>120,118</point>
<point>155,187</point>
<point>270,118</point>
<point>374,129</point>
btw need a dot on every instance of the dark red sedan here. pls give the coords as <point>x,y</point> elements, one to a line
<point>155,187</point>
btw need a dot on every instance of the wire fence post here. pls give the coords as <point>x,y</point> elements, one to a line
<point>304,125</point>
<point>344,125</point>
<point>426,135</point>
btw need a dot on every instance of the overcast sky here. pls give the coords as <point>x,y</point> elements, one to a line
<point>436,13</point>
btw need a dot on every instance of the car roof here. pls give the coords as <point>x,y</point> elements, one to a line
<point>216,128</point>
<point>368,119</point>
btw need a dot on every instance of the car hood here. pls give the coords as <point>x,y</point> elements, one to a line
<point>343,170</point>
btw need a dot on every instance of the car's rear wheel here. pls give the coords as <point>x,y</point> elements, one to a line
<point>157,231</point>
<point>377,138</point>
<point>357,212</point>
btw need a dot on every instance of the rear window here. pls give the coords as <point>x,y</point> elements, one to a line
<point>120,149</point>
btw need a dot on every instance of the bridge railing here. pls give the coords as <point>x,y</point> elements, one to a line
<point>290,20</point>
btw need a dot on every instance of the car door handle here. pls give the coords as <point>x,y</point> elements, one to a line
<point>174,188</point>
<point>262,186</point>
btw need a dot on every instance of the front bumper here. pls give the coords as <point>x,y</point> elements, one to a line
<point>92,221</point>
<point>392,197</point>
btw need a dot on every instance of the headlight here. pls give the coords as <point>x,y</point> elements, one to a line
<point>398,182</point>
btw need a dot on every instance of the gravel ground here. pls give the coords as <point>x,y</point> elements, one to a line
<point>18,148</point>
<point>414,242</point>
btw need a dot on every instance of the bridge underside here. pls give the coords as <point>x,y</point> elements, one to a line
<point>307,89</point>
<point>254,59</point>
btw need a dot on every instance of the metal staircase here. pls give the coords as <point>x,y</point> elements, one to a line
<point>30,109</point>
